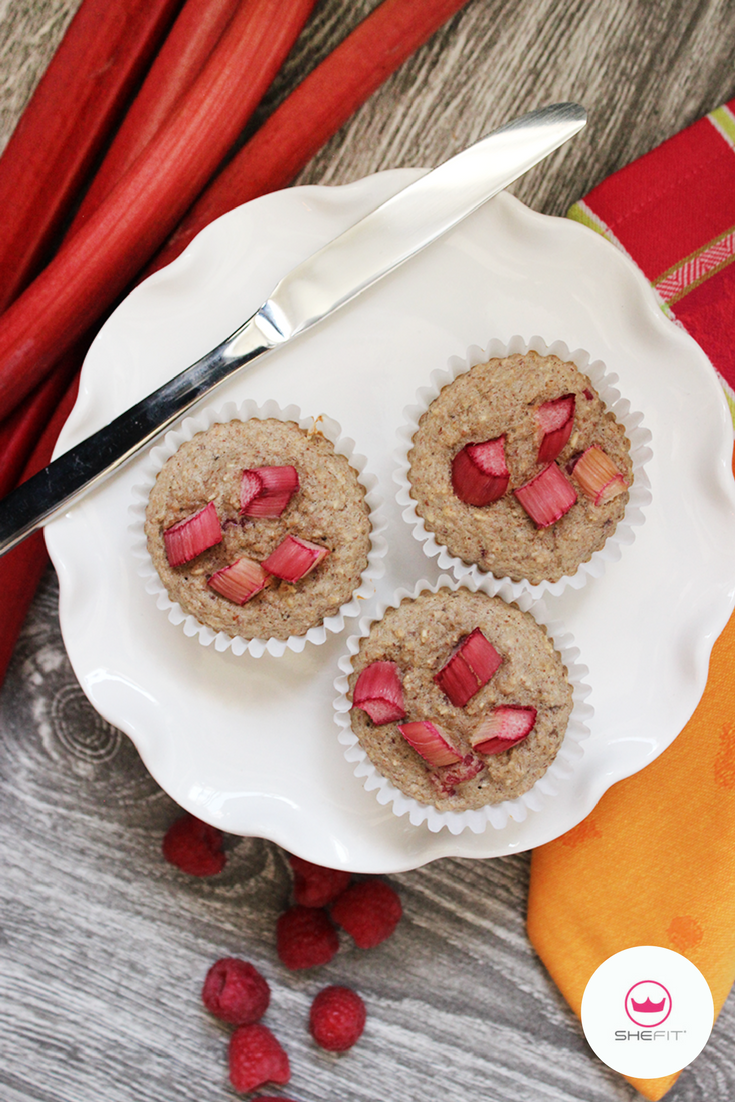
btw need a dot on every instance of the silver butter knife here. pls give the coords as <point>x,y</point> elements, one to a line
<point>374,246</point>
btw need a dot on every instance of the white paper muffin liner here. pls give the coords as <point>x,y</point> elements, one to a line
<point>497,815</point>
<point>604,383</point>
<point>199,422</point>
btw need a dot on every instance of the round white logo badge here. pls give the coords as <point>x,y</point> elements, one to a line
<point>647,1012</point>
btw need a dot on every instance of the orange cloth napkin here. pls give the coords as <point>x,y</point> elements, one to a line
<point>639,870</point>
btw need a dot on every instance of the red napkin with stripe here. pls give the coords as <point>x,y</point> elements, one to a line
<point>673,212</point>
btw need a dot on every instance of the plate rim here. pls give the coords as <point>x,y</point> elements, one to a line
<point>452,845</point>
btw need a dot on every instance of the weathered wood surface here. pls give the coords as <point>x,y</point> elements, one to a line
<point>103,946</point>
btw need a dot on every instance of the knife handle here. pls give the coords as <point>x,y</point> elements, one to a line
<point>45,495</point>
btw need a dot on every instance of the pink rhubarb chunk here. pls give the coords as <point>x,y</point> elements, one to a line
<point>430,741</point>
<point>379,693</point>
<point>240,581</point>
<point>555,420</point>
<point>502,728</point>
<point>192,535</point>
<point>294,558</point>
<point>479,472</point>
<point>446,779</point>
<point>470,667</point>
<point>598,477</point>
<point>266,491</point>
<point>547,497</point>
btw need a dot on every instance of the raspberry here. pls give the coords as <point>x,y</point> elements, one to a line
<point>305,937</point>
<point>337,1018</point>
<point>194,847</point>
<point>235,991</point>
<point>314,885</point>
<point>368,911</point>
<point>256,1058</point>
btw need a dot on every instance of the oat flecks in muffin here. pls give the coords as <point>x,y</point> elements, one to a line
<point>499,398</point>
<point>419,636</point>
<point>329,509</point>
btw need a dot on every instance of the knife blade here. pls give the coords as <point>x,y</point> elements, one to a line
<point>377,244</point>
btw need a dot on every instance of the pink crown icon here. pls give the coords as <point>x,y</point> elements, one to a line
<point>648,1007</point>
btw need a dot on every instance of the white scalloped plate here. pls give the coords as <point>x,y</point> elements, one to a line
<point>250,744</point>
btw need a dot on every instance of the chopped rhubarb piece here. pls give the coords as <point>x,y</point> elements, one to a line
<point>470,667</point>
<point>504,727</point>
<point>251,487</point>
<point>445,779</point>
<point>378,691</point>
<point>547,497</point>
<point>555,420</point>
<point>240,581</point>
<point>192,535</point>
<point>294,558</point>
<point>266,491</point>
<point>481,655</point>
<point>598,477</point>
<point>479,472</point>
<point>430,741</point>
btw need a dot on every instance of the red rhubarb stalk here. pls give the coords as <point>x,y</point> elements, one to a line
<point>294,558</point>
<point>480,474</point>
<point>115,241</point>
<point>547,497</point>
<point>191,536</point>
<point>555,421</point>
<point>21,569</point>
<point>266,491</point>
<point>430,741</point>
<point>20,432</point>
<point>193,37</point>
<point>316,110</point>
<point>598,477</point>
<point>196,31</point>
<point>470,667</point>
<point>502,728</point>
<point>379,692</point>
<point>70,116</point>
<point>240,581</point>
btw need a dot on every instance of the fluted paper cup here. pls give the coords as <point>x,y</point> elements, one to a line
<point>491,816</point>
<point>207,636</point>
<point>604,383</point>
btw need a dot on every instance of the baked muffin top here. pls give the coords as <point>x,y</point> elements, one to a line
<point>419,637</point>
<point>501,398</point>
<point>328,510</point>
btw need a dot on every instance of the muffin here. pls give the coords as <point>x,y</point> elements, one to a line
<point>258,528</point>
<point>458,698</point>
<point>519,468</point>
